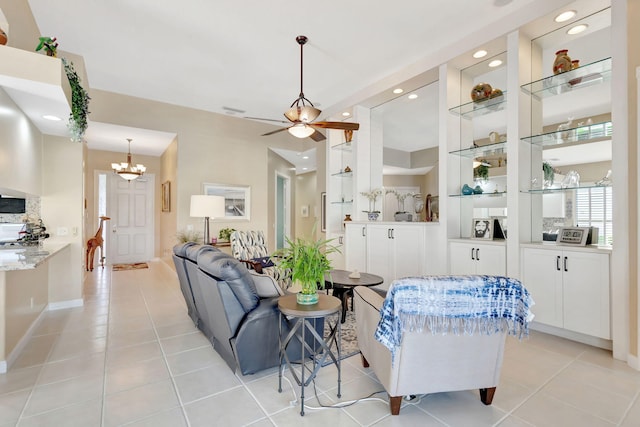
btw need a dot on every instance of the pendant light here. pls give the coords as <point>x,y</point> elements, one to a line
<point>127,170</point>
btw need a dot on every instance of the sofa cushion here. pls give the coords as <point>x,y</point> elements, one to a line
<point>224,267</point>
<point>193,251</point>
<point>181,249</point>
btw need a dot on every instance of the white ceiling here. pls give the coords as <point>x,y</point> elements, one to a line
<point>230,58</point>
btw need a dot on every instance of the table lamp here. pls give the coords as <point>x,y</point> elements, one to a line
<point>207,207</point>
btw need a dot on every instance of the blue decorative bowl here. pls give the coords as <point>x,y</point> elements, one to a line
<point>466,190</point>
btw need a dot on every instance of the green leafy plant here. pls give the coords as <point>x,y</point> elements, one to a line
<point>49,45</point>
<point>225,233</point>
<point>307,261</point>
<point>185,236</point>
<point>481,172</point>
<point>549,172</point>
<point>79,103</point>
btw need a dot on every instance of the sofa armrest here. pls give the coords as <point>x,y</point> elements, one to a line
<point>252,265</point>
<point>266,286</point>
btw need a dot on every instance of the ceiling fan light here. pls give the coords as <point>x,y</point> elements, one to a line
<point>304,114</point>
<point>301,130</point>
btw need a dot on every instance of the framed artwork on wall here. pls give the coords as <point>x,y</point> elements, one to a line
<point>166,196</point>
<point>237,200</point>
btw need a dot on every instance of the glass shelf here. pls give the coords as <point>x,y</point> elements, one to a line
<point>586,75</point>
<point>562,190</point>
<point>588,133</point>
<point>480,108</point>
<point>346,202</point>
<point>494,194</point>
<point>345,146</point>
<point>482,151</point>
<point>343,174</point>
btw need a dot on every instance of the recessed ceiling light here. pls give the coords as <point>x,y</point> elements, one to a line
<point>480,54</point>
<point>398,90</point>
<point>412,96</point>
<point>565,16</point>
<point>51,117</point>
<point>304,169</point>
<point>495,63</point>
<point>305,157</point>
<point>346,114</point>
<point>577,29</point>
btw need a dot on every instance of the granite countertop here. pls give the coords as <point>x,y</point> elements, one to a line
<point>27,257</point>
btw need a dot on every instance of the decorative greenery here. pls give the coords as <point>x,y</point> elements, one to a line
<point>225,233</point>
<point>549,172</point>
<point>49,45</point>
<point>79,103</point>
<point>481,172</point>
<point>307,261</point>
<point>400,197</point>
<point>185,236</point>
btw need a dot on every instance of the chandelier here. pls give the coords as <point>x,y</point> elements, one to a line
<point>127,170</point>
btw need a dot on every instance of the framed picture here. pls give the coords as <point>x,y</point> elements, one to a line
<point>482,229</point>
<point>323,212</point>
<point>237,200</point>
<point>166,196</point>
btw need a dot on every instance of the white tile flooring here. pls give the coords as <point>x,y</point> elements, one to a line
<point>131,356</point>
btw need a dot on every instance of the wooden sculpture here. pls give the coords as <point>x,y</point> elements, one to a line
<point>94,243</point>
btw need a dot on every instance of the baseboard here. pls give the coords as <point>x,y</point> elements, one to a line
<point>11,358</point>
<point>573,336</point>
<point>633,362</point>
<point>65,304</point>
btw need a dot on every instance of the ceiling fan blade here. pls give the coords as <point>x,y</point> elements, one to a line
<point>336,125</point>
<point>317,136</point>
<point>266,120</point>
<point>274,131</point>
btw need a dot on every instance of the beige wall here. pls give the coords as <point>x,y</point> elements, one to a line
<point>61,207</point>
<point>20,150</point>
<point>23,30</point>
<point>306,195</point>
<point>168,220</point>
<point>211,148</point>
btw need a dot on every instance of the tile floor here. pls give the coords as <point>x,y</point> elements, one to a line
<point>131,356</point>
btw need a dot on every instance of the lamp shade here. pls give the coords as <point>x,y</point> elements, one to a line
<point>207,206</point>
<point>301,130</point>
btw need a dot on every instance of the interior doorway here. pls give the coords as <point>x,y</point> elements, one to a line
<point>283,209</point>
<point>129,234</point>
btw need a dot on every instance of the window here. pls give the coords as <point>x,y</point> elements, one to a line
<point>594,208</point>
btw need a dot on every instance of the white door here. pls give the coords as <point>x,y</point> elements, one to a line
<point>355,245</point>
<point>491,260</point>
<point>542,276</point>
<point>462,258</point>
<point>283,210</point>
<point>409,258</point>
<point>131,212</point>
<point>379,252</point>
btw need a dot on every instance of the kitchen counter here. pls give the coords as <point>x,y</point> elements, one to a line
<point>27,257</point>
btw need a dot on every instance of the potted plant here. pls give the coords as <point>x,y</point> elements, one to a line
<point>49,45</point>
<point>549,174</point>
<point>186,236</point>
<point>225,234</point>
<point>307,262</point>
<point>372,213</point>
<point>481,172</point>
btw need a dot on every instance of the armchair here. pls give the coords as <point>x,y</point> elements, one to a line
<point>424,338</point>
<point>250,248</point>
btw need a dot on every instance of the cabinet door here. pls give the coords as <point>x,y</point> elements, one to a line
<point>409,251</point>
<point>337,258</point>
<point>462,259</point>
<point>491,260</point>
<point>586,293</point>
<point>379,250</point>
<point>542,276</point>
<point>355,247</point>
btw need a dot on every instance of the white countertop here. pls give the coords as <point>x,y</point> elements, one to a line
<point>27,257</point>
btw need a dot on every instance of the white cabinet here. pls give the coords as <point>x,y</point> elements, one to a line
<point>570,288</point>
<point>355,247</point>
<point>390,250</point>
<point>394,251</point>
<point>477,258</point>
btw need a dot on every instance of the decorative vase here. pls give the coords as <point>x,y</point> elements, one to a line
<point>562,63</point>
<point>466,190</point>
<point>575,64</point>
<point>308,295</point>
<point>3,37</point>
<point>373,216</point>
<point>481,92</point>
<point>348,135</point>
<point>347,217</point>
<point>478,190</point>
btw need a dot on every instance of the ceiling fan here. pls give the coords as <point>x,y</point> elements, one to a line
<point>302,113</point>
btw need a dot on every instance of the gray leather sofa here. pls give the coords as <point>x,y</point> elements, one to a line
<point>237,308</point>
<point>180,260</point>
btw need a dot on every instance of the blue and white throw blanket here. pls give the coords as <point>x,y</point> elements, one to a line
<point>454,304</point>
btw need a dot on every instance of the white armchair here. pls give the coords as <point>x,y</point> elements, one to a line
<point>426,360</point>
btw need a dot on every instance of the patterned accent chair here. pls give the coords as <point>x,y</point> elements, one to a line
<point>250,247</point>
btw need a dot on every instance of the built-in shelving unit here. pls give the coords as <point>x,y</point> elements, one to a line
<point>582,134</point>
<point>482,151</point>
<point>480,108</point>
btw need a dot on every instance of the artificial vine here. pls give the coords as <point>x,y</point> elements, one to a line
<point>79,104</point>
